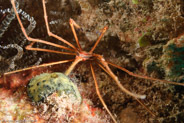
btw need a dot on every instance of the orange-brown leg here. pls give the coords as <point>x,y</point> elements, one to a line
<point>131,95</point>
<point>106,68</point>
<point>34,39</point>
<point>144,77</point>
<point>72,66</point>
<point>33,67</point>
<point>99,95</point>
<point>29,47</point>
<point>72,24</point>
<point>42,65</point>
<point>98,40</point>
<point>48,29</point>
<point>141,103</point>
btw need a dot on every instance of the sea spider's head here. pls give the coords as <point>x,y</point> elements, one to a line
<point>85,55</point>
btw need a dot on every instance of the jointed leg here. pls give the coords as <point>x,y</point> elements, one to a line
<point>29,47</point>
<point>106,68</point>
<point>34,39</point>
<point>98,40</point>
<point>29,68</point>
<point>72,66</point>
<point>144,77</point>
<point>99,95</point>
<point>48,29</point>
<point>72,24</point>
<point>145,107</point>
<point>43,65</point>
<point>134,96</point>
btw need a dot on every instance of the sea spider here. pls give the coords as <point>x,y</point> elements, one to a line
<point>81,56</point>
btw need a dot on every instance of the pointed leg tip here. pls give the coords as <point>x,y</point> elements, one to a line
<point>104,29</point>
<point>143,97</point>
<point>70,20</point>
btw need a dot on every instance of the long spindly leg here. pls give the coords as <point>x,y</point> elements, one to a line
<point>29,47</point>
<point>72,66</point>
<point>72,24</point>
<point>144,77</point>
<point>134,96</point>
<point>99,95</point>
<point>34,39</point>
<point>106,68</point>
<point>33,67</point>
<point>48,29</point>
<point>141,103</point>
<point>98,40</point>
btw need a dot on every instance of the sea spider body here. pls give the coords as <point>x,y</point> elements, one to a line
<point>81,55</point>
